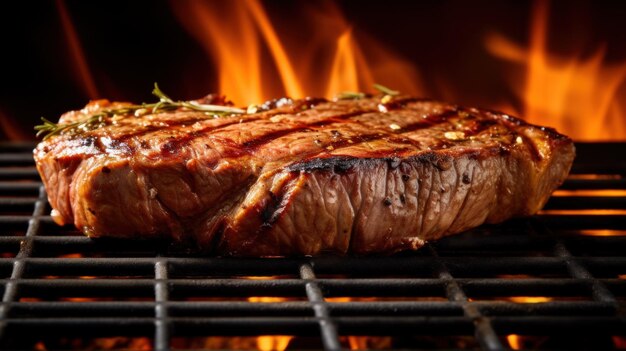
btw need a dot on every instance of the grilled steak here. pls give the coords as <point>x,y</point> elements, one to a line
<point>302,177</point>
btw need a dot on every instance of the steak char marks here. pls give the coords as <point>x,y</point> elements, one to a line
<point>305,178</point>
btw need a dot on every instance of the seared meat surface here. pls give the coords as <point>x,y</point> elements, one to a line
<point>302,177</point>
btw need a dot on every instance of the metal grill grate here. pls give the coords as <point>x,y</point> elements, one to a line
<point>554,281</point>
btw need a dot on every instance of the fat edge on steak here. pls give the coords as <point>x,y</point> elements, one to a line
<point>307,177</point>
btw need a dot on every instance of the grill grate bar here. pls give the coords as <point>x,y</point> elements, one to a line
<point>17,201</point>
<point>583,221</point>
<point>19,264</point>
<point>19,173</point>
<point>240,287</point>
<point>303,308</point>
<point>552,275</point>
<point>161,292</point>
<point>15,159</point>
<point>328,329</point>
<point>483,330</point>
<point>578,271</point>
<point>561,325</point>
<point>594,184</point>
<point>586,202</point>
<point>30,189</point>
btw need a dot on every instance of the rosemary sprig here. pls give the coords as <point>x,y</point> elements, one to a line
<point>48,128</point>
<point>349,95</point>
<point>165,103</point>
<point>353,95</point>
<point>383,89</point>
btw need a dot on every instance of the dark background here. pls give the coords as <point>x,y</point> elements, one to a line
<point>131,44</point>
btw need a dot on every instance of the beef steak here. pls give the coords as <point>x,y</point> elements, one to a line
<point>301,177</point>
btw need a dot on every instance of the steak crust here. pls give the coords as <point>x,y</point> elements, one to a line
<point>302,177</point>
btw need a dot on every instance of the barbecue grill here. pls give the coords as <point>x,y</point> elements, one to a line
<point>553,281</point>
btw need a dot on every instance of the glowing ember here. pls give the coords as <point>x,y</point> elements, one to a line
<point>561,193</point>
<point>369,342</point>
<point>584,212</point>
<point>620,342</point>
<point>594,176</point>
<point>602,232</point>
<point>246,48</point>
<point>273,342</point>
<point>529,299</point>
<point>587,192</point>
<point>514,341</point>
<point>384,298</point>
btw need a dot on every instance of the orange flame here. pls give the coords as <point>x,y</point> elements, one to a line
<point>369,342</point>
<point>10,128</point>
<point>246,49</point>
<point>344,75</point>
<point>269,342</point>
<point>85,79</point>
<point>516,341</point>
<point>111,343</point>
<point>286,71</point>
<point>577,96</point>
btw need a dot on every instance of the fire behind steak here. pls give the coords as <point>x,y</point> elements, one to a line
<point>303,177</point>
